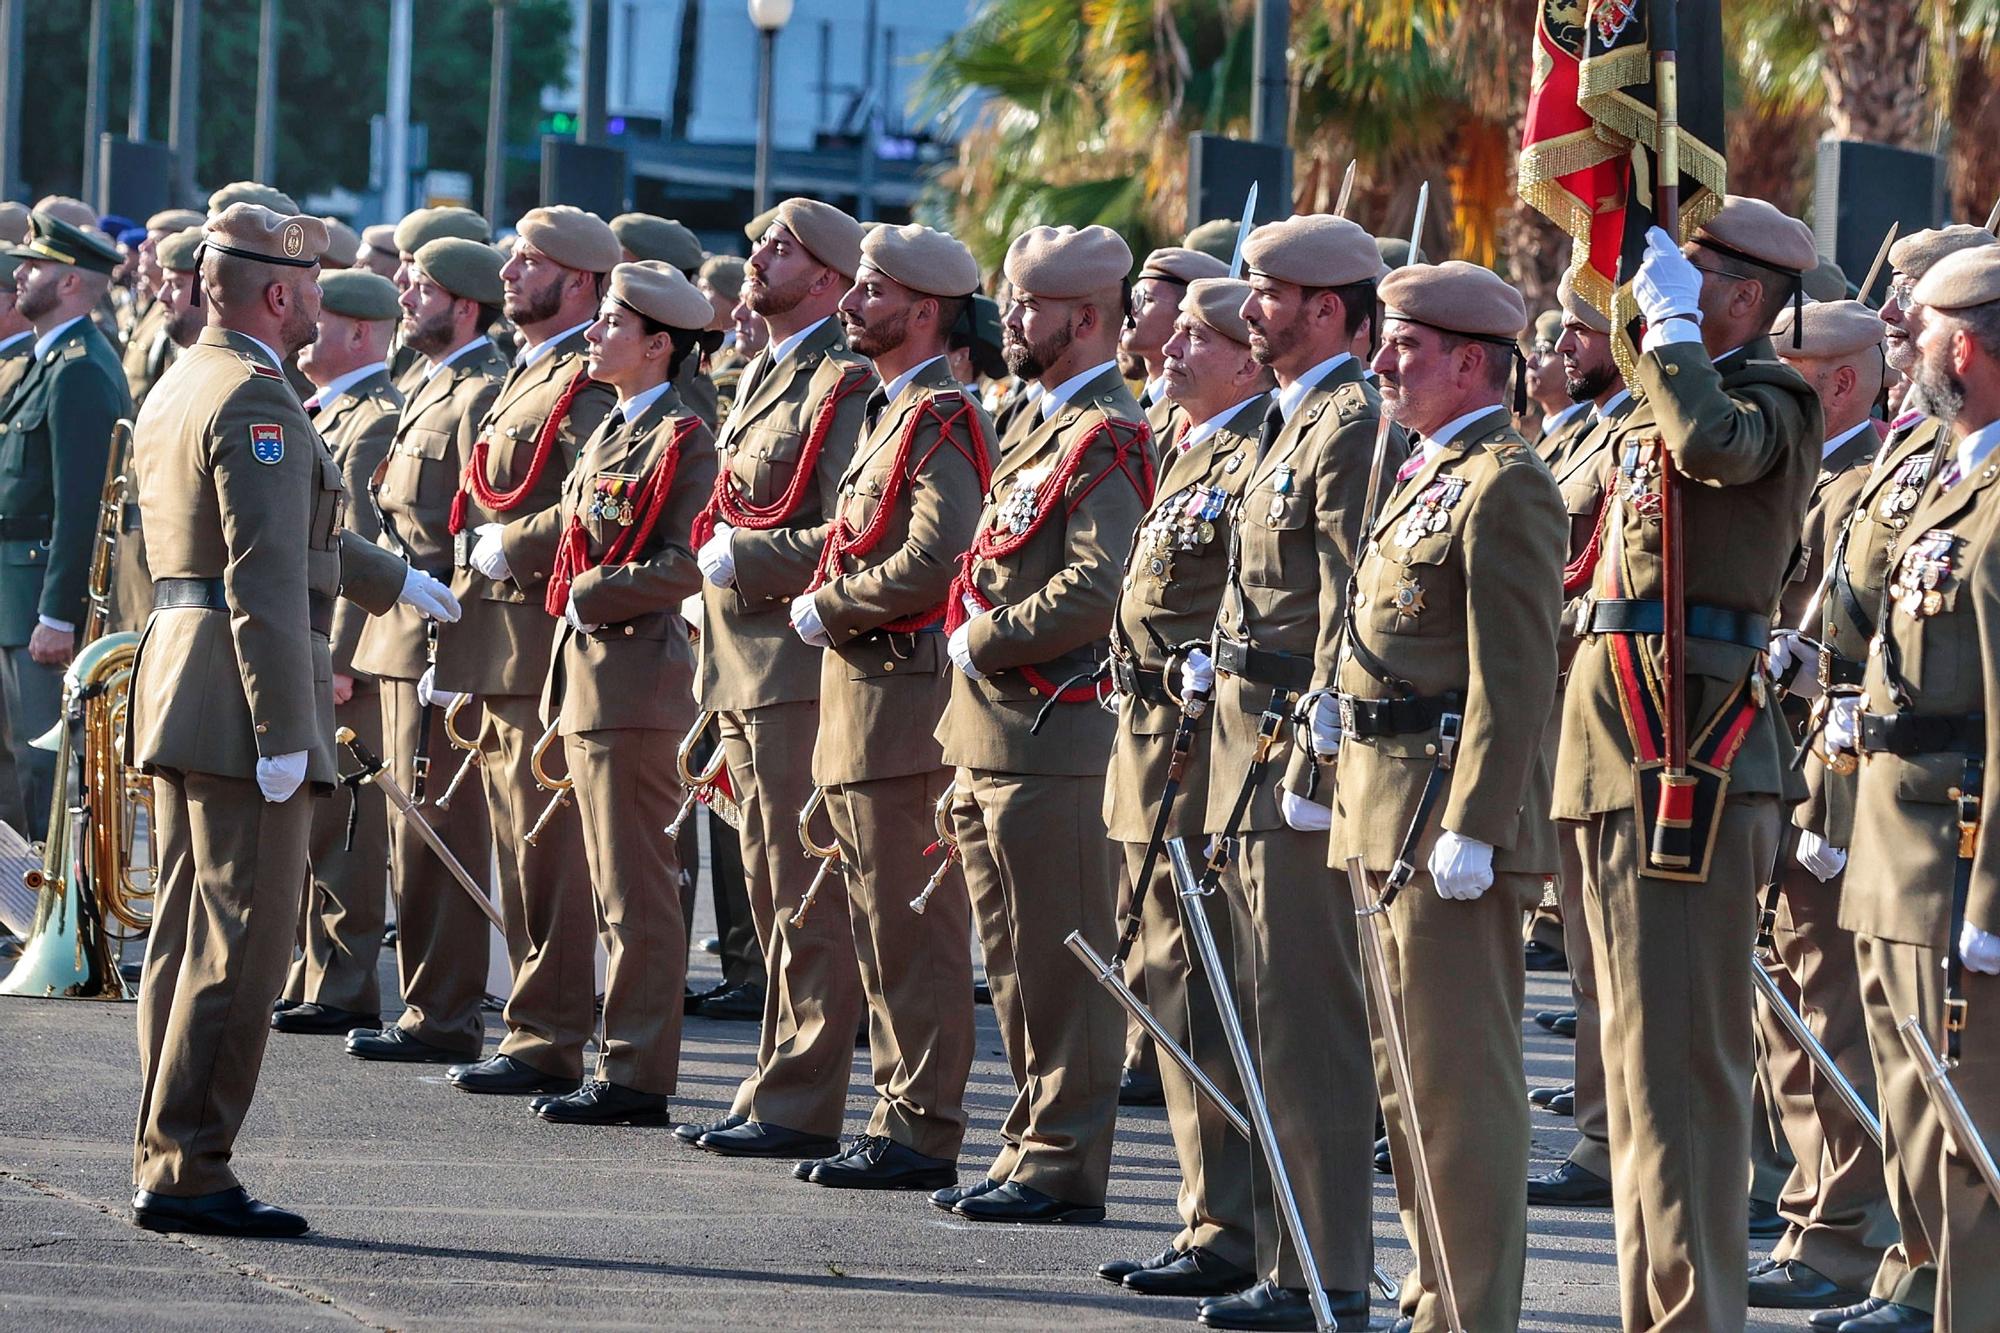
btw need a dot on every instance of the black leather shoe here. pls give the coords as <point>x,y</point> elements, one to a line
<point>1195,1271</point>
<point>1570,1186</point>
<point>711,945</point>
<point>1270,1306</point>
<point>1543,1096</point>
<point>982,993</point>
<point>1827,1321</point>
<point>1015,1202</point>
<point>1403,1325</point>
<point>1138,1088</point>
<point>1117,1270</point>
<point>1890,1318</point>
<point>738,1004</point>
<point>1565,1026</point>
<point>881,1163</point>
<point>1794,1286</point>
<point>279,1005</point>
<point>804,1170</point>
<point>598,1102</point>
<point>230,1212</point>
<point>504,1074</point>
<point>1765,1224</point>
<point>1384,1164</point>
<point>1563,1103</point>
<point>1541,957</point>
<point>692,1130</point>
<point>395,1043</point>
<point>322,1021</point>
<point>951,1196</point>
<point>691,998</point>
<point>1547,1019</point>
<point>755,1139</point>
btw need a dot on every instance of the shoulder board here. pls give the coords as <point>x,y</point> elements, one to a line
<point>845,357</point>
<point>1351,396</point>
<point>75,350</point>
<point>258,368</point>
<point>947,397</point>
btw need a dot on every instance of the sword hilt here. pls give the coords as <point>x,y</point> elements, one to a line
<point>371,763</point>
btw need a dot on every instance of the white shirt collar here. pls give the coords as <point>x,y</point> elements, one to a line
<point>1604,411</point>
<point>1295,393</point>
<point>1826,450</point>
<point>434,367</point>
<point>13,338</point>
<point>527,356</point>
<point>894,388</point>
<point>1156,390</point>
<point>48,340</point>
<point>1555,421</point>
<point>779,351</point>
<point>1435,440</point>
<point>635,407</point>
<point>1055,399</point>
<point>1212,425</point>
<point>1974,448</point>
<point>343,383</point>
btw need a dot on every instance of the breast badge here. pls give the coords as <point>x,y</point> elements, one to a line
<point>1900,496</point>
<point>1432,510</point>
<point>1924,574</point>
<point>611,498</point>
<point>1017,511</point>
<point>1185,522</point>
<point>1408,596</point>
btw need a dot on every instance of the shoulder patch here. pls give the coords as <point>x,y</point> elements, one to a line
<point>262,371</point>
<point>267,443</point>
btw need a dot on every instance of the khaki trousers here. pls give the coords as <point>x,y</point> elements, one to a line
<point>1038,866</point>
<point>442,937</point>
<point>544,895</point>
<point>812,997</point>
<point>1593,1146</point>
<point>1215,1198</point>
<point>1898,980</point>
<point>1673,961</point>
<point>626,793</point>
<point>340,923</point>
<point>1457,975</point>
<point>230,868</point>
<point>1968,1276</point>
<point>1293,920</point>
<point>916,971</point>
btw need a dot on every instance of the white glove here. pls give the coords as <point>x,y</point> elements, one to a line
<point>1794,661</point>
<point>1325,726</point>
<point>1980,950</point>
<point>1197,674</point>
<point>1667,286</point>
<point>431,599</point>
<point>806,622</point>
<point>1820,857</point>
<point>487,557</point>
<point>1843,724</point>
<point>959,647</point>
<point>278,778</point>
<point>569,613</point>
<point>427,693</point>
<point>1462,868</point>
<point>1303,815</point>
<point>716,561</point>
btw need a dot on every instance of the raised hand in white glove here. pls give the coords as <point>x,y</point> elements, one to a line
<point>1820,857</point>
<point>487,557</point>
<point>1197,674</point>
<point>428,693</point>
<point>806,622</point>
<point>430,599</point>
<point>1667,288</point>
<point>1794,663</point>
<point>959,648</point>
<point>569,613</point>
<point>1979,949</point>
<point>1325,726</point>
<point>1303,815</point>
<point>1843,724</point>
<point>279,777</point>
<point>1462,868</point>
<point>715,560</point>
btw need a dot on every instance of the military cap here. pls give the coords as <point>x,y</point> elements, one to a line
<point>724,274</point>
<point>1755,230</point>
<point>1218,303</point>
<point>571,237</point>
<point>132,237</point>
<point>1574,307</point>
<point>1215,237</point>
<point>251,192</point>
<point>1913,255</point>
<point>116,224</point>
<point>1457,297</point>
<point>933,263</point>
<point>833,237</point>
<point>427,224</point>
<point>9,261</point>
<point>180,252</point>
<point>1067,263</point>
<point>170,220</point>
<point>68,208</point>
<point>66,243</point>
<point>1830,330</point>
<point>254,232</point>
<point>1971,277</point>
<point>381,238</point>
<point>1547,328</point>
<point>648,236</point>
<point>1825,281</point>
<point>468,269</point>
<point>359,294</point>
<point>757,226</point>
<point>13,223</point>
<point>662,293</point>
<point>1394,251</point>
<point>1177,263</point>
<point>1313,250</point>
<point>343,246</point>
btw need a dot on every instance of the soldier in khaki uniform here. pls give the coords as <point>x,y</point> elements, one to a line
<point>788,440</point>
<point>378,251</point>
<point>416,230</point>
<point>343,246</point>
<point>356,412</point>
<point>1744,431</point>
<point>442,938</point>
<point>149,350</point>
<point>907,506</point>
<point>245,507</point>
<point>646,236</point>
<point>1450,657</point>
<point>1033,605</point>
<point>1156,306</point>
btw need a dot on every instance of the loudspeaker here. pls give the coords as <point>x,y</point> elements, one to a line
<point>588,176</point>
<point>1220,171</point>
<point>134,177</point>
<point>1862,188</point>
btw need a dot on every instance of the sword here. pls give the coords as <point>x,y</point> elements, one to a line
<point>373,770</point>
<point>1243,231</point>
<point>1346,189</point>
<point>1881,258</point>
<point>1993,218</point>
<point>1965,1137</point>
<point>1822,1060</point>
<point>1417,225</point>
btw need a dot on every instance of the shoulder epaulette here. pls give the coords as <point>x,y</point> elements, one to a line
<point>947,396</point>
<point>75,350</point>
<point>1350,398</point>
<point>259,369</point>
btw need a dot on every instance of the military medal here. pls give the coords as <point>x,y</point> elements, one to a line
<point>1905,489</point>
<point>1017,512</point>
<point>1923,574</point>
<point>611,498</point>
<point>1408,596</point>
<point>1281,487</point>
<point>1432,511</point>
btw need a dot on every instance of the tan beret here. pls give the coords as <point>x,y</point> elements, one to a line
<point>169,220</point>
<point>662,293</point>
<point>933,263</point>
<point>418,229</point>
<point>1913,255</point>
<point>1456,297</point>
<point>1575,308</point>
<point>1825,281</point>
<point>1394,251</point>
<point>1064,263</point>
<point>1548,327</point>
<point>833,237</point>
<point>1313,250</point>
<point>13,223</point>
<point>343,243</point>
<point>180,252</point>
<point>1971,277</point>
<point>571,237</point>
<point>381,238</point>
<point>647,236</point>
<point>1177,263</point>
<point>1758,231</point>
<point>251,192</point>
<point>252,231</point>
<point>360,294</point>
<point>1831,330</point>
<point>1215,237</point>
<point>724,274</point>
<point>70,209</point>
<point>1218,303</point>
<point>757,226</point>
<point>468,269</point>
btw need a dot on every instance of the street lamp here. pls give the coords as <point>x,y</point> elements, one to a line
<point>769,16</point>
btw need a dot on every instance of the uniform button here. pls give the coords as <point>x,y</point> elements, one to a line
<point>888,666</point>
<point>263,727</point>
<point>1673,368</point>
<point>628,631</point>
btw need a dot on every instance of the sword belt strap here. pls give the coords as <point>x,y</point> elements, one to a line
<point>1363,719</point>
<point>1141,682</point>
<point>25,527</point>
<point>208,595</point>
<point>1646,615</point>
<point>1971,790</point>
<point>1909,734</point>
<point>1286,671</point>
<point>1839,669</point>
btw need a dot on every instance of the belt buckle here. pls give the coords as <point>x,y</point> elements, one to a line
<point>461,550</point>
<point>1345,704</point>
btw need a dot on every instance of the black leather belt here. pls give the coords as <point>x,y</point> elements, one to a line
<point>1909,734</point>
<point>1128,677</point>
<point>208,595</point>
<point>1720,624</point>
<point>1363,718</point>
<point>24,528</point>
<point>1288,671</point>
<point>1835,669</point>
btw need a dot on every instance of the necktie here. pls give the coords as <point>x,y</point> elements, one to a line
<point>877,400</point>
<point>1274,421</point>
<point>614,423</point>
<point>1949,477</point>
<point>1411,465</point>
<point>311,404</point>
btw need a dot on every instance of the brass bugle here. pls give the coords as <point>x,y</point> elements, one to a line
<point>947,845</point>
<point>697,784</point>
<point>828,854</point>
<point>559,786</point>
<point>458,741</point>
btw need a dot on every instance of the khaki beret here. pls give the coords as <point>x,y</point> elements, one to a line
<point>1215,237</point>
<point>69,209</point>
<point>360,294</point>
<point>1959,281</point>
<point>1547,328</point>
<point>1313,250</point>
<point>1394,250</point>
<point>1757,231</point>
<point>1177,263</point>
<point>62,242</point>
<point>833,237</point>
<point>9,261</point>
<point>724,274</point>
<point>170,220</point>
<point>1831,330</point>
<point>662,293</point>
<point>932,263</point>
<point>468,269</point>
<point>757,226</point>
<point>1913,255</point>
<point>1456,297</point>
<point>251,192</point>
<point>418,229</point>
<point>1575,308</point>
<point>180,252</point>
<point>1064,263</point>
<point>647,236</point>
<point>1825,281</point>
<point>571,237</point>
<point>252,231</point>
<point>381,238</point>
<point>1218,303</point>
<point>343,244</point>
<point>13,223</point>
